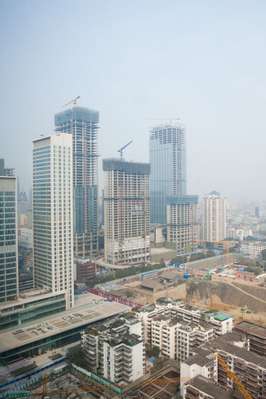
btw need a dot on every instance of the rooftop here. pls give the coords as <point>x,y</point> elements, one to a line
<point>125,166</point>
<point>221,316</point>
<point>209,387</point>
<point>251,328</point>
<point>28,297</point>
<point>224,345</point>
<point>95,309</point>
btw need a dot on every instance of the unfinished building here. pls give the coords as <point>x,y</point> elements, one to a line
<point>126,212</point>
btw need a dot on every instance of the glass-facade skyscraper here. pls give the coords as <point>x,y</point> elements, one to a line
<point>82,123</point>
<point>168,168</point>
<point>8,235</point>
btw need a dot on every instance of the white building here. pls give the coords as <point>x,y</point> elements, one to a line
<point>123,359</point>
<point>53,214</point>
<point>178,339</point>
<point>116,350</point>
<point>178,329</point>
<point>214,217</point>
<point>202,363</point>
<point>126,212</point>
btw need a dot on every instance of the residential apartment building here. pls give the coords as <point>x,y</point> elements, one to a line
<point>126,212</point>
<point>116,350</point>
<point>249,367</point>
<point>177,339</point>
<point>8,235</point>
<point>214,217</point>
<point>83,124</point>
<point>53,215</point>
<point>178,329</point>
<point>220,322</point>
<point>255,334</point>
<point>182,223</point>
<point>203,388</point>
<point>168,168</point>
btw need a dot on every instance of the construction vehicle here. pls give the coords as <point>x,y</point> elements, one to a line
<point>233,377</point>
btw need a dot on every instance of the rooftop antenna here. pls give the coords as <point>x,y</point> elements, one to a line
<point>123,148</point>
<point>73,101</point>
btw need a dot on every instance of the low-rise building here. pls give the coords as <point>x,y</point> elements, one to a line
<point>31,306</point>
<point>255,334</point>
<point>203,388</point>
<point>249,367</point>
<point>221,323</point>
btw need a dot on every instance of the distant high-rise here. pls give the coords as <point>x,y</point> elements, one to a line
<point>53,215</point>
<point>8,235</point>
<point>182,222</point>
<point>168,168</point>
<point>126,212</point>
<point>257,212</point>
<point>5,171</point>
<point>82,124</point>
<point>214,217</point>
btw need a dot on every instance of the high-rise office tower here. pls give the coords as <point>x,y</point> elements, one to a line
<point>168,168</point>
<point>126,212</point>
<point>182,228</point>
<point>82,124</point>
<point>53,214</point>
<point>214,217</point>
<point>8,235</point>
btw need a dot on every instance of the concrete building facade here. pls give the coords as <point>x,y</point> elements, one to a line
<point>182,222</point>
<point>53,215</point>
<point>116,350</point>
<point>168,168</point>
<point>126,212</point>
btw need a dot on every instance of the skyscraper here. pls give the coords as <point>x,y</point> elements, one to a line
<point>214,217</point>
<point>53,215</point>
<point>126,212</point>
<point>82,124</point>
<point>8,235</point>
<point>168,168</point>
<point>182,222</point>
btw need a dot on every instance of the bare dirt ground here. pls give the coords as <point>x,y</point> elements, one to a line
<point>237,300</point>
<point>143,296</point>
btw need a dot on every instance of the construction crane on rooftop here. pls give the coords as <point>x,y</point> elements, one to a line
<point>122,149</point>
<point>73,101</point>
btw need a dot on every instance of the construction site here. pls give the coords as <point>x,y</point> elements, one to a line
<point>217,283</point>
<point>72,382</point>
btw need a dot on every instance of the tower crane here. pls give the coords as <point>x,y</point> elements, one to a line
<point>123,149</point>
<point>72,101</point>
<point>232,376</point>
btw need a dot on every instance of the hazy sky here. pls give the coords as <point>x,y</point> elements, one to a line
<point>202,61</point>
